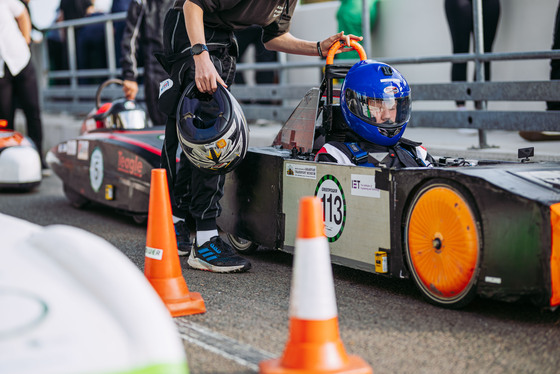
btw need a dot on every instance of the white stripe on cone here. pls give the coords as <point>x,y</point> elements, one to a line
<point>312,292</point>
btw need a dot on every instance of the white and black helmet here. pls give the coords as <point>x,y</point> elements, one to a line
<point>212,129</point>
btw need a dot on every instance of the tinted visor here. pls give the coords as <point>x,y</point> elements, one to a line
<point>131,119</point>
<point>204,117</point>
<point>386,111</point>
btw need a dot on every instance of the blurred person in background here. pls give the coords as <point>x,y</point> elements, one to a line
<point>144,34</point>
<point>461,25</point>
<point>18,79</point>
<point>554,74</point>
<point>119,6</point>
<point>349,17</point>
<point>252,36</point>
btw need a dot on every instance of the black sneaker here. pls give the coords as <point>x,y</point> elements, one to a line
<point>217,256</point>
<point>183,235</point>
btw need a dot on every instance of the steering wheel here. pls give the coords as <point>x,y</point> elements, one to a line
<point>102,86</point>
<point>336,46</point>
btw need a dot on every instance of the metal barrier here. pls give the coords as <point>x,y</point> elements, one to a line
<point>276,102</point>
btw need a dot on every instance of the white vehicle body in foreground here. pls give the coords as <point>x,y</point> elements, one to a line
<point>72,303</point>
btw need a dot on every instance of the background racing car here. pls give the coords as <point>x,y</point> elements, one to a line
<point>20,163</point>
<point>110,162</point>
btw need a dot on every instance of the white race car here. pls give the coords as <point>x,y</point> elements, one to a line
<point>20,163</point>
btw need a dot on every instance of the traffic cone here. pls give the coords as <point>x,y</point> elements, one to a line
<point>162,266</point>
<point>314,344</point>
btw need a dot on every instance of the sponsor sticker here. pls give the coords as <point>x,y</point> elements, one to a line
<point>332,197</point>
<point>301,171</point>
<point>71,147</point>
<point>129,164</point>
<point>391,90</point>
<point>363,185</point>
<point>62,148</point>
<point>164,86</point>
<point>494,280</point>
<point>155,253</point>
<point>83,150</point>
<point>96,169</point>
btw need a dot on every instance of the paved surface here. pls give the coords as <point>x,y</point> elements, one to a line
<point>439,142</point>
<point>384,321</point>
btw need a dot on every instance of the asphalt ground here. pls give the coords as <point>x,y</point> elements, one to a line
<point>384,321</point>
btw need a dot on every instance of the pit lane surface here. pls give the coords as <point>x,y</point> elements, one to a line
<point>384,321</point>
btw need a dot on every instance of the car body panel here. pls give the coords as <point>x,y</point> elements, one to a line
<point>112,168</point>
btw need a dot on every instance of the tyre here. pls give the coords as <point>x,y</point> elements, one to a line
<point>242,245</point>
<point>442,243</point>
<point>76,200</point>
<point>140,219</point>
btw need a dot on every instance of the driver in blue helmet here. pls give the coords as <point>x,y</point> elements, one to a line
<point>375,103</point>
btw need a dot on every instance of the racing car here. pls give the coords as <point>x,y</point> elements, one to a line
<point>459,229</point>
<point>110,162</point>
<point>20,163</point>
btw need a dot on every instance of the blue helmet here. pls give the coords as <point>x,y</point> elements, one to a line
<point>375,101</point>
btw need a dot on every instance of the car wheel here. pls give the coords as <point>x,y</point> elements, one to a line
<point>77,200</point>
<point>242,245</point>
<point>442,243</point>
<point>140,219</point>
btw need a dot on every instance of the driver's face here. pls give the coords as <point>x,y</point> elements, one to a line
<point>383,109</point>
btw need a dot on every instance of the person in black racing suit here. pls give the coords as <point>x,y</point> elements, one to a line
<point>143,34</point>
<point>200,46</point>
<point>375,103</point>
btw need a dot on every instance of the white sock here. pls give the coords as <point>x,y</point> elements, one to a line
<point>176,219</point>
<point>204,236</point>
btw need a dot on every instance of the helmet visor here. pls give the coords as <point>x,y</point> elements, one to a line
<point>387,111</point>
<point>204,117</point>
<point>131,119</point>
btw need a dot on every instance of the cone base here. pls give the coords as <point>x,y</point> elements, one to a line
<point>176,296</point>
<point>192,304</point>
<point>355,365</point>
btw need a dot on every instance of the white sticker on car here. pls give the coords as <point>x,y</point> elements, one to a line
<point>364,185</point>
<point>96,169</point>
<point>301,171</point>
<point>83,150</point>
<point>329,190</point>
<point>71,147</point>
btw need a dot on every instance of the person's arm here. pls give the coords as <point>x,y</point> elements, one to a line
<point>290,44</point>
<point>24,24</point>
<point>129,49</point>
<point>206,75</point>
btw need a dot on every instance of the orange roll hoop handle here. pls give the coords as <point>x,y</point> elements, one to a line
<point>336,46</point>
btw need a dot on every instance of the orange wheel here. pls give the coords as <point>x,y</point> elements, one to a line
<point>442,244</point>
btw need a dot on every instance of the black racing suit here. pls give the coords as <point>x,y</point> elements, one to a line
<point>144,34</point>
<point>192,190</point>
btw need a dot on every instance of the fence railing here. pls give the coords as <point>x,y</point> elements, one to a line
<point>276,102</point>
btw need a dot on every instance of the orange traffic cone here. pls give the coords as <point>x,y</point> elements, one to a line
<point>314,345</point>
<point>162,267</point>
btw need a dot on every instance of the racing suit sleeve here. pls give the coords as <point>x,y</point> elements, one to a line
<point>130,40</point>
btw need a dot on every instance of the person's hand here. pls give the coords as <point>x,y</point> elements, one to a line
<point>327,43</point>
<point>206,76</point>
<point>130,89</point>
